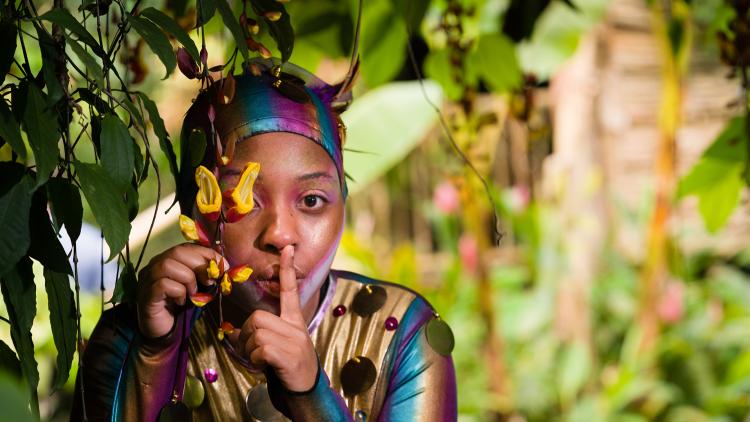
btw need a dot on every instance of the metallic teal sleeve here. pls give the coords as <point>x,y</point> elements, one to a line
<point>422,385</point>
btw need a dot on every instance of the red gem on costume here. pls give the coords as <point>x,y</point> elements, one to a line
<point>339,310</point>
<point>391,323</point>
<point>211,375</point>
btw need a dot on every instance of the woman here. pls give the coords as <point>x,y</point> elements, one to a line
<point>311,343</point>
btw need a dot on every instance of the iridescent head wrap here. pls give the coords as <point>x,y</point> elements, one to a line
<point>258,106</point>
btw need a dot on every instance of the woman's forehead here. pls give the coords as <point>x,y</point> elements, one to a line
<point>286,154</point>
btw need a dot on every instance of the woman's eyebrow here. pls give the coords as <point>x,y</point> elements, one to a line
<point>315,175</point>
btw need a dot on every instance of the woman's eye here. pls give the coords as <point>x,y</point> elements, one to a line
<point>312,201</point>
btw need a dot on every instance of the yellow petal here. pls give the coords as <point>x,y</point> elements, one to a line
<point>242,195</point>
<point>187,227</point>
<point>226,285</point>
<point>213,270</point>
<point>209,195</point>
<point>240,274</point>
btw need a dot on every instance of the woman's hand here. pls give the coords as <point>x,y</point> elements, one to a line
<point>282,342</point>
<point>166,283</point>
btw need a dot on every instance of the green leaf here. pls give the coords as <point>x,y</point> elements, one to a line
<point>51,56</point>
<point>8,33</point>
<point>409,117</point>
<point>156,40</point>
<point>40,124</point>
<point>19,294</point>
<point>574,370</point>
<point>197,143</point>
<point>94,100</point>
<point>131,202</point>
<point>497,63</point>
<point>717,204</point>
<point>125,287</point>
<point>91,65</point>
<point>161,132</point>
<point>717,176</point>
<point>65,203</point>
<point>62,17</point>
<point>9,363</point>
<point>169,26</point>
<point>412,12</point>
<point>231,22</point>
<point>62,315</point>
<point>281,30</point>
<point>45,247</point>
<point>107,205</point>
<point>383,43</point>
<point>14,223</point>
<point>437,67</point>
<point>14,401</point>
<point>206,11</point>
<point>10,130</point>
<point>117,151</point>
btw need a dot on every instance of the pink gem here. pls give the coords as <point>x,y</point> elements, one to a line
<point>339,310</point>
<point>211,375</point>
<point>391,323</point>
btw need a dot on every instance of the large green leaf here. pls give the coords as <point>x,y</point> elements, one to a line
<point>281,30</point>
<point>573,371</point>
<point>412,12</point>
<point>10,130</point>
<point>62,17</point>
<point>107,204</point>
<point>156,40</point>
<point>62,315</point>
<point>66,206</point>
<point>40,124</point>
<point>14,223</point>
<point>169,26</point>
<point>51,56</point>
<point>117,151</point>
<point>382,43</point>
<point>206,11</point>
<point>161,132</point>
<point>496,61</point>
<point>376,147</point>
<point>19,294</point>
<point>9,363</point>
<point>717,176</point>
<point>231,22</point>
<point>91,65</point>
<point>8,33</point>
<point>45,246</point>
<point>14,401</point>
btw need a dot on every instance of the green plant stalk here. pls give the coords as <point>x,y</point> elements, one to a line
<point>674,59</point>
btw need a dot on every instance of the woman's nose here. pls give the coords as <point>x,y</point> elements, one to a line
<point>280,230</point>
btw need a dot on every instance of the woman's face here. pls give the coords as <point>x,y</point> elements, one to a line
<point>298,202</point>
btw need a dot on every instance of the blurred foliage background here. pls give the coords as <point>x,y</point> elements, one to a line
<point>564,180</point>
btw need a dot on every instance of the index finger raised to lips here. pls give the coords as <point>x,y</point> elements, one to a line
<point>289,292</point>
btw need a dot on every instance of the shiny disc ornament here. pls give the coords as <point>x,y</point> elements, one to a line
<point>175,411</point>
<point>259,405</point>
<point>369,300</point>
<point>357,375</point>
<point>440,336</point>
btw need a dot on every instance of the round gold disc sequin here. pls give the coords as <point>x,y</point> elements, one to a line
<point>440,336</point>
<point>175,412</point>
<point>194,392</point>
<point>368,300</point>
<point>259,405</point>
<point>357,375</point>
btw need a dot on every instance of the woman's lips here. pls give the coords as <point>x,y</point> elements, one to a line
<point>271,287</point>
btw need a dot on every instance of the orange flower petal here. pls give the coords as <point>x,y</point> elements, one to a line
<point>240,274</point>
<point>201,299</point>
<point>227,327</point>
